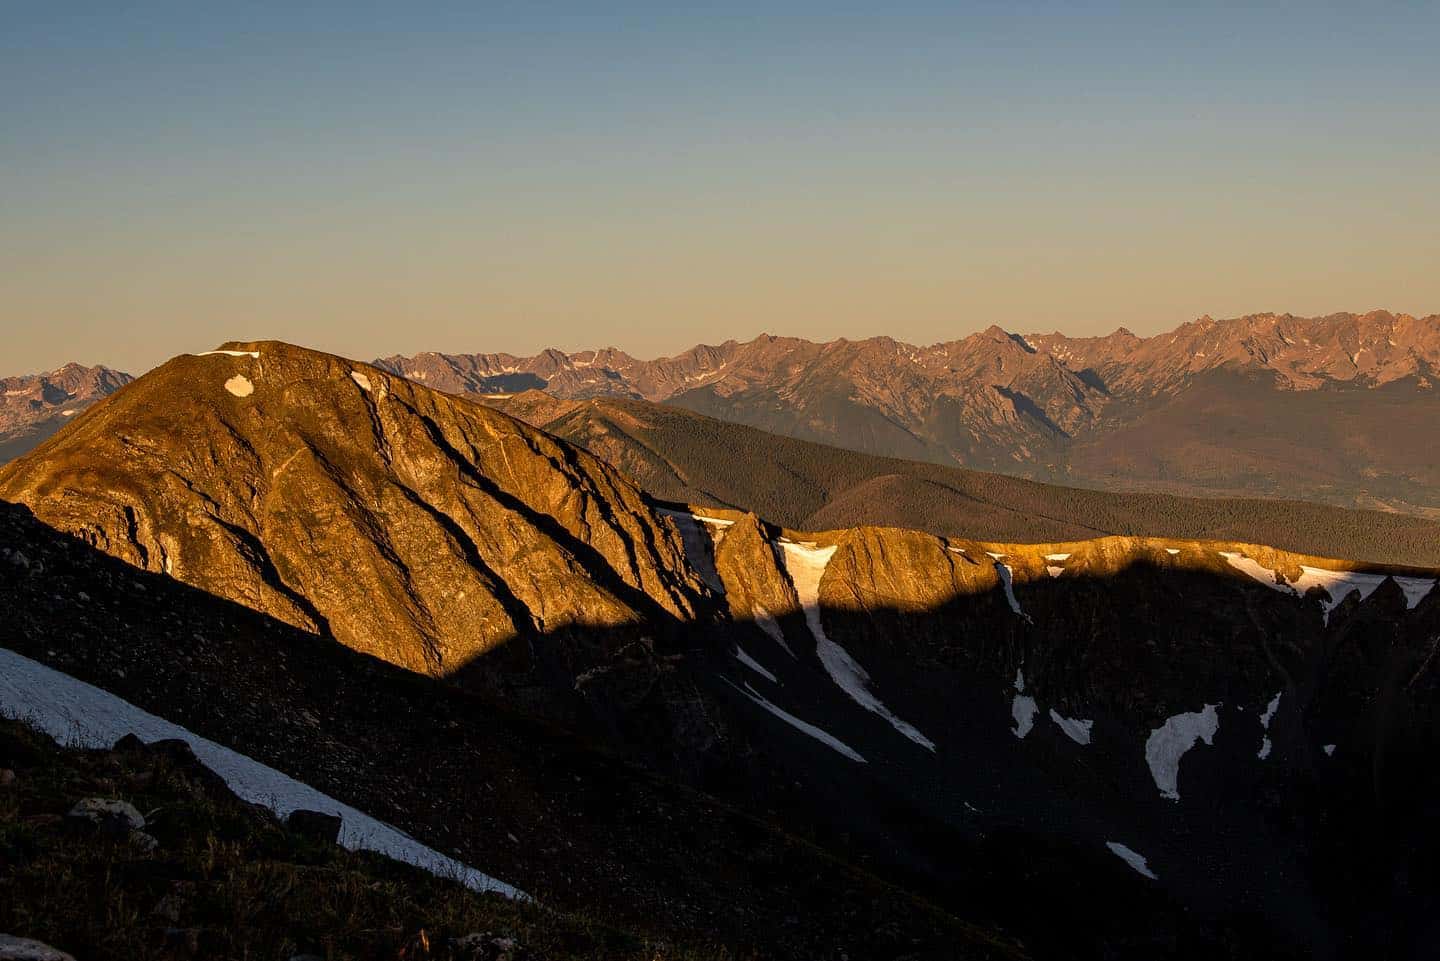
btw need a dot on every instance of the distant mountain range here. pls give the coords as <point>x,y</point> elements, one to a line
<point>1333,409</point>
<point>34,406</point>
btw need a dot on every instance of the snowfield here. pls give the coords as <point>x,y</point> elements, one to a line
<point>1337,585</point>
<point>80,714</point>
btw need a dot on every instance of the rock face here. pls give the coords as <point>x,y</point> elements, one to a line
<point>35,406</point>
<point>1338,409</point>
<point>417,527</point>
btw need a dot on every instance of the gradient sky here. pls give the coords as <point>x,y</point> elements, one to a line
<point>379,178</point>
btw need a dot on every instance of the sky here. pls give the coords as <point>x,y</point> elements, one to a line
<point>375,178</point>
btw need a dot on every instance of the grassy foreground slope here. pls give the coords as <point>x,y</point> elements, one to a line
<point>678,455</point>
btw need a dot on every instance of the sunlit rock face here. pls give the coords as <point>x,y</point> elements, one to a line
<point>410,525</point>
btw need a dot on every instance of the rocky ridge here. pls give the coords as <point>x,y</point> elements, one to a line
<point>1325,408</point>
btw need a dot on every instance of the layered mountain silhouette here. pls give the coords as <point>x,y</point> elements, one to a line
<point>678,455</point>
<point>898,742</point>
<point>1333,409</point>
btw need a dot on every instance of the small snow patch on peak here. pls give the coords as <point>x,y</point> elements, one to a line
<point>1057,557</point>
<point>240,386</point>
<point>1172,551</point>
<point>360,379</point>
<point>230,353</point>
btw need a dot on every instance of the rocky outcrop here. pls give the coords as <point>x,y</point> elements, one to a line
<point>411,525</point>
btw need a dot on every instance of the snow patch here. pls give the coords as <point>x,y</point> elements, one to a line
<point>713,521</point>
<point>696,543</point>
<point>230,353</point>
<point>1168,743</point>
<point>770,626</point>
<point>74,712</point>
<point>1172,551</point>
<point>1265,719</point>
<point>1329,750</point>
<point>806,565</point>
<point>360,379</point>
<point>1270,710</point>
<point>1007,580</point>
<point>1022,708</point>
<point>68,413</point>
<point>822,736</point>
<point>1076,730</point>
<point>1416,589</point>
<point>1257,571</point>
<point>1132,858</point>
<point>1054,571</point>
<point>1057,557</point>
<point>1338,585</point>
<point>753,664</point>
<point>240,386</point>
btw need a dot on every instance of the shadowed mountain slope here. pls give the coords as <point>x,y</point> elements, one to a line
<point>583,830</point>
<point>681,456</point>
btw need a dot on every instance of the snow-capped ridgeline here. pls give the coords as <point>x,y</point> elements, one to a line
<point>1337,585</point>
<point>1168,743</point>
<point>806,563</point>
<point>74,712</point>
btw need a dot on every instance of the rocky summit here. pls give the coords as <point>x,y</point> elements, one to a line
<point>338,498</point>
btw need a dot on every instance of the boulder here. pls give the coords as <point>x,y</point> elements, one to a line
<point>315,825</point>
<point>111,817</point>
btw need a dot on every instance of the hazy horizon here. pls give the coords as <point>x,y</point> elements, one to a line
<point>372,181</point>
